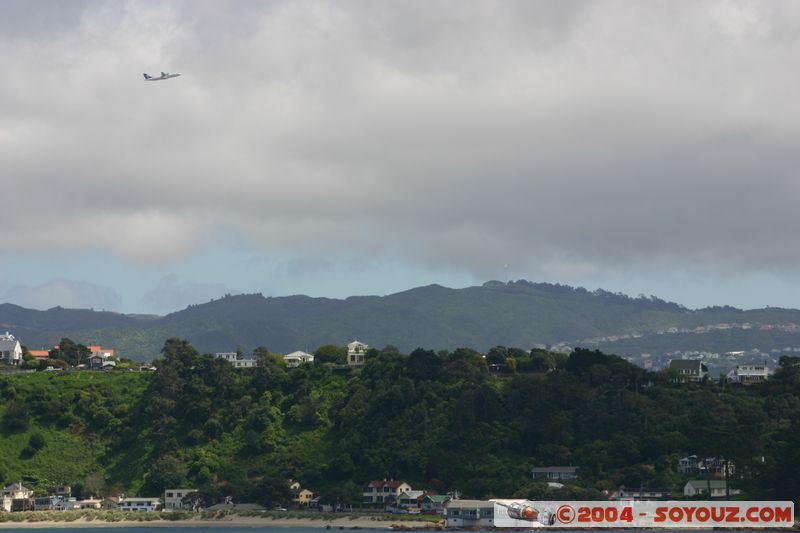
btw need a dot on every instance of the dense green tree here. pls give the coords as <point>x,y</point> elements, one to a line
<point>70,352</point>
<point>330,353</point>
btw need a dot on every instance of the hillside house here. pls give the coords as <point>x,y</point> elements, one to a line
<point>99,362</point>
<point>378,492</point>
<point>716,467</point>
<point>238,362</point>
<point>107,353</point>
<point>641,494</point>
<point>752,373</point>
<point>689,465</point>
<point>689,369</point>
<point>40,355</point>
<point>557,474</point>
<point>10,349</point>
<point>356,353</point>
<point>297,358</point>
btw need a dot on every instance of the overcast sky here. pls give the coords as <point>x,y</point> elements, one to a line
<point>362,147</point>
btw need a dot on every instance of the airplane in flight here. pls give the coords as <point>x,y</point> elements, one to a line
<point>164,76</point>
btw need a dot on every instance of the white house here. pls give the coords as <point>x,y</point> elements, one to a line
<point>379,491</point>
<point>689,465</point>
<point>469,513</point>
<point>410,499</point>
<point>233,358</point>
<point>142,505</point>
<point>752,373</point>
<point>10,349</point>
<point>689,369</point>
<point>173,499</point>
<point>695,487</point>
<point>297,358</point>
<point>16,492</point>
<point>356,353</point>
<point>90,503</point>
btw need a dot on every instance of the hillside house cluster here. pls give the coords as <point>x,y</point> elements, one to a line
<point>356,356</point>
<point>711,467</point>
<point>397,494</point>
<point>11,353</point>
<point>17,497</point>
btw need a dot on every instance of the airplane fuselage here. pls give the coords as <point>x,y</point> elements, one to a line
<point>164,76</point>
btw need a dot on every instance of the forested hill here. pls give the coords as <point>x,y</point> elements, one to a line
<point>519,313</point>
<point>440,421</point>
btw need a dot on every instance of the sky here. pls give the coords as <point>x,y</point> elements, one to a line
<point>336,148</point>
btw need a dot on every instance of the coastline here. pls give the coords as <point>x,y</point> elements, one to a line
<point>227,521</point>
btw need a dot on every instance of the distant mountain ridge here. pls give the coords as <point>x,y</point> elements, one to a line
<point>518,313</point>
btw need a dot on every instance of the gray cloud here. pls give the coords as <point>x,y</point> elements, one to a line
<point>171,293</point>
<point>565,137</point>
<point>64,293</point>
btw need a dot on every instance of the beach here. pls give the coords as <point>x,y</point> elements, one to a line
<point>227,521</point>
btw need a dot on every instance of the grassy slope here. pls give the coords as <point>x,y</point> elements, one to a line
<point>70,453</point>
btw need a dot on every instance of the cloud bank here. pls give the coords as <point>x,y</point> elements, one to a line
<point>63,292</point>
<point>561,137</point>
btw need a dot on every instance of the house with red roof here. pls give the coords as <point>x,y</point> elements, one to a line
<point>384,491</point>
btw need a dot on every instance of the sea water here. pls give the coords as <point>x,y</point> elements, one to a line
<point>274,529</point>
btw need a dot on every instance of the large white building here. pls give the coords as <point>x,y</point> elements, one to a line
<point>10,349</point>
<point>173,499</point>
<point>356,353</point>
<point>233,358</point>
<point>752,373</point>
<point>297,358</point>
<point>142,505</point>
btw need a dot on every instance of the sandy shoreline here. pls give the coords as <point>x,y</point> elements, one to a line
<point>228,521</point>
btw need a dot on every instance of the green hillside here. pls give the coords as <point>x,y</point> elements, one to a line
<point>441,421</point>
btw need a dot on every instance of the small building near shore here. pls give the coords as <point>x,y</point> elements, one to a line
<point>477,514</point>
<point>173,499</point>
<point>141,505</point>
